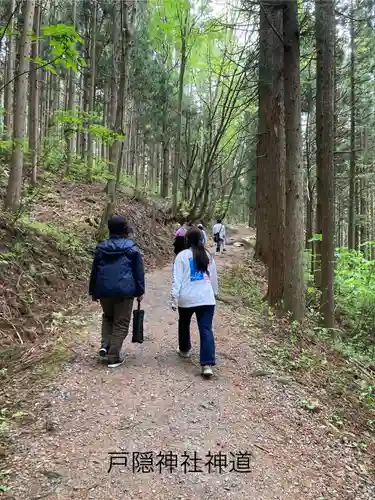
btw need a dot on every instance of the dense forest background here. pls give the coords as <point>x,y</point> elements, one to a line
<point>258,112</point>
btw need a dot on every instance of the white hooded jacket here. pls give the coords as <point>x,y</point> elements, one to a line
<point>190,287</point>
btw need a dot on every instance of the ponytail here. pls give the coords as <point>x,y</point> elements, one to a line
<point>200,254</point>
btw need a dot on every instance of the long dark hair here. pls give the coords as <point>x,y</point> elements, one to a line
<point>195,242</point>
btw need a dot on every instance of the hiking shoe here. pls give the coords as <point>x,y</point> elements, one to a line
<point>115,364</point>
<point>207,371</point>
<point>103,351</point>
<point>182,354</point>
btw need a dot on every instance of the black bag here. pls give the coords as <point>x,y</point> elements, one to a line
<point>138,316</point>
<point>217,235</point>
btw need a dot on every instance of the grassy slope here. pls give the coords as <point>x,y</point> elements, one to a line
<point>45,260</point>
<point>333,377</point>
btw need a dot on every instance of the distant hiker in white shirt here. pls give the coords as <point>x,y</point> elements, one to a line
<point>194,290</point>
<point>218,232</point>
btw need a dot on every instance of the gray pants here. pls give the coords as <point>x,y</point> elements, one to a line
<point>117,313</point>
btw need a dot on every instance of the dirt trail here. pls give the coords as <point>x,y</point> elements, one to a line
<point>157,402</point>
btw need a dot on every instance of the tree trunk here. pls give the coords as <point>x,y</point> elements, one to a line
<point>364,232</point>
<point>91,92</point>
<point>264,94</point>
<point>310,187</point>
<point>85,107</point>
<point>111,184</point>
<point>13,196</point>
<point>352,172</point>
<point>105,117</point>
<point>164,183</point>
<point>135,143</point>
<point>276,159</point>
<point>34,100</point>
<point>372,224</point>
<point>44,105</point>
<point>130,119</point>
<point>127,13</point>
<point>181,78</point>
<point>294,290</point>
<point>325,38</point>
<point>71,105</point>
<point>80,107</point>
<point>10,69</point>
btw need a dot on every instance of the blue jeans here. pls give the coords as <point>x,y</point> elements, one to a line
<point>204,316</point>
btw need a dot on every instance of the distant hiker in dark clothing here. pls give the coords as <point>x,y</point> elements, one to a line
<point>117,277</point>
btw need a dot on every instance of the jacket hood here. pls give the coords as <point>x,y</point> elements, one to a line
<point>115,247</point>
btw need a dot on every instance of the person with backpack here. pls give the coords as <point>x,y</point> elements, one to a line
<point>219,236</point>
<point>117,278</point>
<point>194,291</point>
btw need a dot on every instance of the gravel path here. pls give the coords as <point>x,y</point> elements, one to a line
<point>157,403</point>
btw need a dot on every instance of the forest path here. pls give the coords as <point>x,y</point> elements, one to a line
<point>157,402</point>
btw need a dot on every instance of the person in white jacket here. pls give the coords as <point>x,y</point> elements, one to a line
<point>194,291</point>
<point>219,235</point>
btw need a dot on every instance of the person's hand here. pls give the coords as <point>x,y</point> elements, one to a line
<point>173,304</point>
<point>139,299</point>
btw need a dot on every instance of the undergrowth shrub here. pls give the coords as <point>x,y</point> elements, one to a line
<point>239,282</point>
<point>341,361</point>
<point>65,241</point>
<point>355,297</point>
<point>78,170</point>
<point>53,155</point>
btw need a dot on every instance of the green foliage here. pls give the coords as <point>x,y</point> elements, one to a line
<point>65,241</point>
<point>54,150</point>
<point>84,121</point>
<point>53,154</point>
<point>355,295</point>
<point>62,50</point>
<point>239,282</point>
<point>291,358</point>
<point>5,146</point>
<point>316,237</point>
<point>78,170</point>
<point>104,134</point>
<point>368,394</point>
<point>69,119</point>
